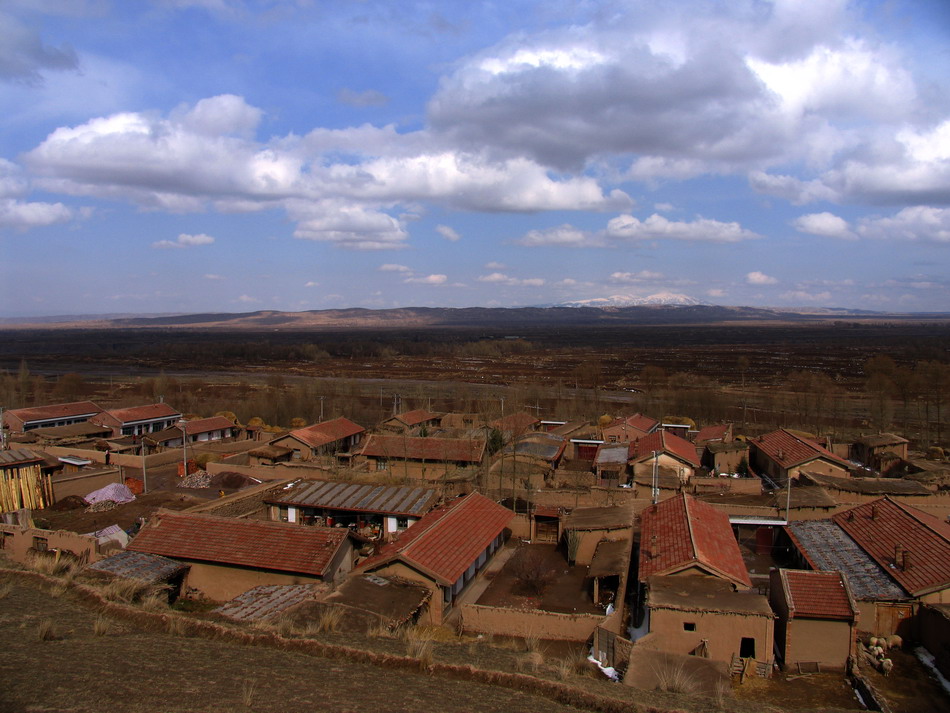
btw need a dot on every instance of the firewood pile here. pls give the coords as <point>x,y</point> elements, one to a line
<point>198,479</point>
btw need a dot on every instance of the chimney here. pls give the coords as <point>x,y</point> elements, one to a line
<point>874,512</point>
<point>906,563</point>
<point>897,555</point>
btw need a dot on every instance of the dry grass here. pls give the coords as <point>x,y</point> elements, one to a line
<point>120,589</point>
<point>574,665</point>
<point>530,661</point>
<point>285,627</point>
<point>421,649</point>
<point>380,631</point>
<point>329,620</point>
<point>175,626</point>
<point>46,630</point>
<point>248,685</point>
<point>532,643</point>
<point>5,589</point>
<point>674,678</point>
<point>102,626</point>
<point>54,566</point>
<point>154,601</point>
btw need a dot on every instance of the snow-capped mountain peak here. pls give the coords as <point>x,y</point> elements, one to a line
<point>660,298</point>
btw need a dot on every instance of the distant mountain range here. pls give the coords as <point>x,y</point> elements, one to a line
<point>660,298</point>
<point>603,312</point>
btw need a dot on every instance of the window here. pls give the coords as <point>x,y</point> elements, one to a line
<point>40,544</point>
<point>689,626</point>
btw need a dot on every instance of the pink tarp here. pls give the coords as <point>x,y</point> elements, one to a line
<point>114,491</point>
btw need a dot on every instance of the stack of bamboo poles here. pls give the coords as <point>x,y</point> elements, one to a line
<point>24,487</point>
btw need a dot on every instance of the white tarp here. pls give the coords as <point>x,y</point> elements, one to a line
<point>111,533</point>
<point>115,492</point>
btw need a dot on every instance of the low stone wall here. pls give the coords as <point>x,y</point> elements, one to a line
<point>121,459</point>
<point>482,619</point>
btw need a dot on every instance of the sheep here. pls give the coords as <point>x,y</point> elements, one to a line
<point>877,651</point>
<point>872,642</point>
<point>894,642</point>
<point>886,666</point>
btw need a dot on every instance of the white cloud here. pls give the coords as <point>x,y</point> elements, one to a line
<point>311,283</point>
<point>656,227</point>
<point>634,277</point>
<point>212,276</point>
<point>716,292</point>
<point>427,280</point>
<point>247,299</point>
<point>663,207</point>
<point>918,223</point>
<point>184,240</point>
<point>760,278</point>
<point>393,267</point>
<point>562,235</point>
<point>794,190</point>
<point>824,224</point>
<point>448,233</point>
<point>25,58</point>
<point>494,266</point>
<point>503,279</point>
<point>22,215</point>
<point>802,296</point>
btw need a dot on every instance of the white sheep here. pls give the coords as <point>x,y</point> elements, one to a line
<point>886,666</point>
<point>894,642</point>
<point>872,642</point>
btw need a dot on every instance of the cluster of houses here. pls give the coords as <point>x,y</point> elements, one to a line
<point>708,549</point>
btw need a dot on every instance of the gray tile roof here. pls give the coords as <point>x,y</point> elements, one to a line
<point>357,497</point>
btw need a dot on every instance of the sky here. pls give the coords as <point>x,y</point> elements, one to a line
<point>240,155</point>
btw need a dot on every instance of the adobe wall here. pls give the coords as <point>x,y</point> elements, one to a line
<point>18,543</point>
<point>723,632</point>
<point>82,483</point>
<point>270,472</point>
<point>434,610</point>
<point>520,526</point>
<point>597,496</point>
<point>221,583</point>
<point>819,466</point>
<point>821,640</point>
<point>477,618</point>
<point>665,461</point>
<point>745,486</point>
<point>120,459</point>
<point>591,538</point>
<point>934,632</point>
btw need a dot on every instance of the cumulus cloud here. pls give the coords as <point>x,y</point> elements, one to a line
<point>794,190</point>
<point>311,283</point>
<point>716,292</point>
<point>247,299</point>
<point>22,215</point>
<point>760,278</point>
<point>824,224</point>
<point>184,241</point>
<point>427,280</point>
<point>393,267</point>
<point>656,227</point>
<point>448,233</point>
<point>562,235</point>
<point>802,296</point>
<point>212,276</point>
<point>494,265</point>
<point>918,223</point>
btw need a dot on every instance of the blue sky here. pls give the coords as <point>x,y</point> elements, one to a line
<point>218,155</point>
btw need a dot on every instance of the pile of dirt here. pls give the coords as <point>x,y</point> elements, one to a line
<point>233,481</point>
<point>102,506</point>
<point>70,502</point>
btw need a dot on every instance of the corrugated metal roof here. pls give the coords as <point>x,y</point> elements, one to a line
<point>392,500</point>
<point>18,455</point>
<point>828,548</point>
<point>139,565</point>
<point>267,601</point>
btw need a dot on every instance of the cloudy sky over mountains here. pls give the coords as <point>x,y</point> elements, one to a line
<point>196,155</point>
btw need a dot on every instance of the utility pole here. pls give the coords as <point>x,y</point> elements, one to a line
<point>321,409</point>
<point>144,472</point>
<point>184,452</point>
<point>656,477</point>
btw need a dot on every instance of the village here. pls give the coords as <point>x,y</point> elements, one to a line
<point>674,556</point>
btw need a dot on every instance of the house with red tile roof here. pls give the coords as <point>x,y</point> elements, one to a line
<point>138,420</point>
<point>21,420</point>
<point>445,549</point>
<point>671,456</point>
<point>912,546</point>
<point>628,428</point>
<point>339,435</point>
<point>198,430</point>
<point>228,556</point>
<point>411,421</point>
<point>516,424</point>
<point>683,535</point>
<point>817,617</point>
<point>783,454</point>
<point>720,433</point>
<point>421,458</point>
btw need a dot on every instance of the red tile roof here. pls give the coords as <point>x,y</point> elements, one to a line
<point>712,433</point>
<point>517,423</point>
<point>449,450</point>
<point>818,595</point>
<point>789,450</point>
<point>414,418</point>
<point>321,434</point>
<point>44,413</point>
<point>204,425</point>
<point>247,543</point>
<point>138,413</point>
<point>682,532</point>
<point>447,540</point>
<point>912,546</point>
<point>664,442</point>
<point>634,426</point>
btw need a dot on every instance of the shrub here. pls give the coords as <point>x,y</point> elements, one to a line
<point>674,678</point>
<point>531,572</point>
<point>421,649</point>
<point>330,618</point>
<point>102,626</point>
<point>46,630</point>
